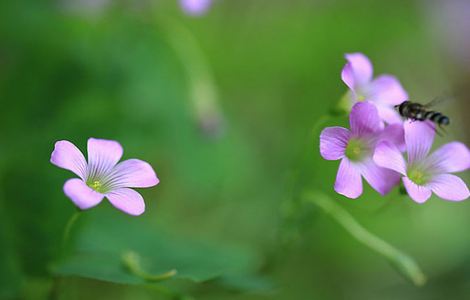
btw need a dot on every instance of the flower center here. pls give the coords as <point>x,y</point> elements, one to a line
<point>96,185</point>
<point>418,176</point>
<point>360,98</point>
<point>356,149</point>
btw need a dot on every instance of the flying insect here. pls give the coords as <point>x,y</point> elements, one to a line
<point>421,112</point>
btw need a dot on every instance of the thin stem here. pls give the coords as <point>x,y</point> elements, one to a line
<point>313,141</point>
<point>404,263</point>
<point>68,227</point>
<point>320,121</point>
<point>54,290</point>
<point>203,92</point>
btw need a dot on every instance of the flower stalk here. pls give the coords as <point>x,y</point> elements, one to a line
<point>68,227</point>
<point>406,265</point>
<point>202,89</point>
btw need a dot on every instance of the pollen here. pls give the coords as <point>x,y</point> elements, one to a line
<point>96,185</point>
<point>356,149</point>
<point>418,176</point>
<point>361,98</point>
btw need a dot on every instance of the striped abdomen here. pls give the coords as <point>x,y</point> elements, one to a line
<point>436,117</point>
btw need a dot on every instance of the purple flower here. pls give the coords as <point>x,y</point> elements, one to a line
<point>423,173</point>
<point>103,176</point>
<point>195,7</point>
<point>385,91</point>
<point>355,148</point>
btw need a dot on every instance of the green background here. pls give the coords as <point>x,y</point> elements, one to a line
<point>227,109</point>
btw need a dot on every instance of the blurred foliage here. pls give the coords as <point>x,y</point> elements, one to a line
<point>74,72</point>
<point>101,252</point>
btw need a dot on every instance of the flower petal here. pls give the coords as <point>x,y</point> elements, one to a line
<point>389,114</point>
<point>82,195</point>
<point>417,192</point>
<point>358,70</point>
<point>132,173</point>
<point>127,200</point>
<point>451,157</point>
<point>381,179</point>
<point>333,142</point>
<point>364,119</point>
<point>395,135</point>
<point>419,137</point>
<point>348,180</point>
<point>103,155</point>
<point>67,156</point>
<point>449,187</point>
<point>389,156</point>
<point>386,89</point>
<point>195,7</point>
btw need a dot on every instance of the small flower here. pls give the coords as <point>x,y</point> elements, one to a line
<point>355,148</point>
<point>103,176</point>
<point>423,173</point>
<point>385,91</point>
<point>195,7</point>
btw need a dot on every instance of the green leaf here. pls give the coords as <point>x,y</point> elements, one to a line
<point>109,240</point>
<point>246,283</point>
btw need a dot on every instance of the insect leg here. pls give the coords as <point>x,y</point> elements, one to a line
<point>443,130</point>
<point>433,127</point>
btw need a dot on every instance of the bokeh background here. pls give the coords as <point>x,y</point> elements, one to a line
<point>224,107</point>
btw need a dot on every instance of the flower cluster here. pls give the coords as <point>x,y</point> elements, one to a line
<point>373,146</point>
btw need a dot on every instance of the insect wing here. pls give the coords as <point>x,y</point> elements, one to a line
<point>438,100</point>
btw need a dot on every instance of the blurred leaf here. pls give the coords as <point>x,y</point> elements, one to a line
<point>106,236</point>
<point>246,283</point>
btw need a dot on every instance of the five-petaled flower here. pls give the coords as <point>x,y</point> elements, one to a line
<point>102,176</point>
<point>423,173</point>
<point>355,148</point>
<point>195,7</point>
<point>385,91</point>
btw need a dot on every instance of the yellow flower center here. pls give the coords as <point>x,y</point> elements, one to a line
<point>356,149</point>
<point>418,176</point>
<point>96,185</point>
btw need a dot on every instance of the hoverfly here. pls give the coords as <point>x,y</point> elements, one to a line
<point>421,112</point>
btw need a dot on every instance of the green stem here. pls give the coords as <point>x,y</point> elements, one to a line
<point>320,121</point>
<point>203,93</point>
<point>54,289</point>
<point>68,228</point>
<point>404,263</point>
<point>313,142</point>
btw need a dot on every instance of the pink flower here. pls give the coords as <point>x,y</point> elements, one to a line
<point>423,173</point>
<point>385,91</point>
<point>195,7</point>
<point>102,176</point>
<point>355,148</point>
